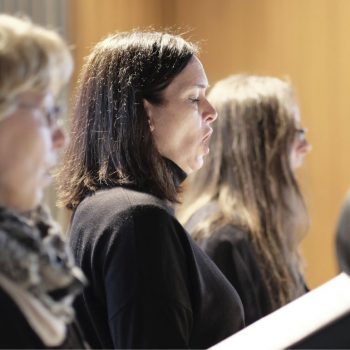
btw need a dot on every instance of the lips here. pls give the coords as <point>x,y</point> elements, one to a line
<point>304,147</point>
<point>207,135</point>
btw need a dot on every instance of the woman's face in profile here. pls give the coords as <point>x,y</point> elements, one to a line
<point>29,140</point>
<point>181,123</point>
<point>300,145</point>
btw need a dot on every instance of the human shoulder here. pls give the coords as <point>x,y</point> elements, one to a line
<point>118,199</point>
<point>116,207</point>
<point>122,212</point>
<point>231,241</point>
<point>229,233</point>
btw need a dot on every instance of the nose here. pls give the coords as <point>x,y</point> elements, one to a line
<point>58,138</point>
<point>210,113</point>
<point>304,147</point>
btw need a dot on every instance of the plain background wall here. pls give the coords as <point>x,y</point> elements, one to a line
<point>305,40</point>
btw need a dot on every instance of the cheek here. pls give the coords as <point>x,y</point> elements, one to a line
<point>296,158</point>
<point>177,129</point>
<point>42,153</point>
<point>25,151</point>
<point>191,140</point>
<point>187,139</point>
<point>40,146</point>
<point>21,175</point>
<point>29,156</point>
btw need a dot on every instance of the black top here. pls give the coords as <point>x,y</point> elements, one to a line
<point>151,286</point>
<point>16,332</point>
<point>231,250</point>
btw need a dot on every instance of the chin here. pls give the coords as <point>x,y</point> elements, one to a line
<point>297,163</point>
<point>197,165</point>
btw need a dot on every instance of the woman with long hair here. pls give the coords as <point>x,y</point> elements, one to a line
<point>142,122</point>
<point>244,207</point>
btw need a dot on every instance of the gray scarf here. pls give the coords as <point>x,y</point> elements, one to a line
<point>34,256</point>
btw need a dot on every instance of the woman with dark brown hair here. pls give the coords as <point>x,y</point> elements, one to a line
<point>244,207</point>
<point>141,123</point>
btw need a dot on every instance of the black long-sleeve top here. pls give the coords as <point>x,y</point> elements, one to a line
<point>231,250</point>
<point>151,286</point>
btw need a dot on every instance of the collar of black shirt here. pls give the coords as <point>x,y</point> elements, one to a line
<point>179,175</point>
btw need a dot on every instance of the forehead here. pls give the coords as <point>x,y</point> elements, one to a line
<point>33,97</point>
<point>37,99</point>
<point>193,75</point>
<point>296,113</point>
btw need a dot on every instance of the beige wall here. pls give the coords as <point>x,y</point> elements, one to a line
<point>306,40</point>
<point>91,20</point>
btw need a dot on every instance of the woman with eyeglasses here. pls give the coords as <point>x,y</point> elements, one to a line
<point>244,207</point>
<point>38,279</point>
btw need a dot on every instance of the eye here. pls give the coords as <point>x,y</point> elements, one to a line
<point>53,115</point>
<point>194,99</point>
<point>300,133</point>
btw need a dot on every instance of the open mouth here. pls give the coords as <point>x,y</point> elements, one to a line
<point>304,147</point>
<point>207,136</point>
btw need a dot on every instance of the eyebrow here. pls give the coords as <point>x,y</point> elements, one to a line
<point>202,86</point>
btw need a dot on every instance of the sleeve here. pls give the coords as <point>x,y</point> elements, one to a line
<point>238,263</point>
<point>343,237</point>
<point>146,284</point>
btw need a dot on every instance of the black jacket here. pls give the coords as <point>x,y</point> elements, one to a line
<point>231,250</point>
<point>151,286</point>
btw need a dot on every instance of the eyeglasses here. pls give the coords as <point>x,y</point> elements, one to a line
<point>51,117</point>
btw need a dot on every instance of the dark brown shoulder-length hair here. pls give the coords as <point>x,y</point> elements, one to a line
<point>248,174</point>
<point>111,142</point>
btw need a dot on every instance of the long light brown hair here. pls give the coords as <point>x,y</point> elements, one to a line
<point>248,174</point>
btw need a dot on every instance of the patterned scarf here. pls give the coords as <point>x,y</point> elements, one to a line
<point>34,256</point>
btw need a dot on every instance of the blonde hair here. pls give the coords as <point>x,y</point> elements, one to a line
<point>248,174</point>
<point>31,58</point>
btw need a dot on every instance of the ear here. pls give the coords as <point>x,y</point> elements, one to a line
<point>149,112</point>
